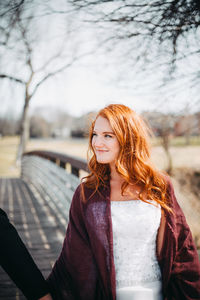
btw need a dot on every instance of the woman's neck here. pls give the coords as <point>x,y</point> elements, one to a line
<point>114,175</point>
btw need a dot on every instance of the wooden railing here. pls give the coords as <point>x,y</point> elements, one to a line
<point>51,180</point>
<point>62,160</point>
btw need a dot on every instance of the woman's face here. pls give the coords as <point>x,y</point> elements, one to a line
<point>104,142</point>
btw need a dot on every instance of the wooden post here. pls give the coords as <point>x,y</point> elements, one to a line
<point>62,164</point>
<point>75,171</point>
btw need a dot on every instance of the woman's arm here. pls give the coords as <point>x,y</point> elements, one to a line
<point>74,274</point>
<point>179,258</point>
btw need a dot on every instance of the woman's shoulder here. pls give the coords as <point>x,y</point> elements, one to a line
<point>169,189</point>
<point>85,194</point>
<point>177,215</point>
<point>83,191</point>
<point>83,188</point>
<point>171,193</point>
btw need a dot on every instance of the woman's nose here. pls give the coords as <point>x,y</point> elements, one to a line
<point>98,142</point>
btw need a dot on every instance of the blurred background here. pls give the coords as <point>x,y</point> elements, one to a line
<point>63,60</point>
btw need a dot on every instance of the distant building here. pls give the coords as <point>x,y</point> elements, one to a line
<point>63,132</point>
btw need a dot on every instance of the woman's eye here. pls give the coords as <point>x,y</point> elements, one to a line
<point>94,134</point>
<point>108,135</point>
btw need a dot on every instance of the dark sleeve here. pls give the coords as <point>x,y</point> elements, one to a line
<point>18,263</point>
<point>74,274</point>
<point>185,274</point>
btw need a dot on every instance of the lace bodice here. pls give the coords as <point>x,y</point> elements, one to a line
<point>135,225</point>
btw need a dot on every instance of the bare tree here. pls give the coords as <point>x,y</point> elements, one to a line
<point>169,20</point>
<point>159,35</point>
<point>10,12</point>
<point>156,34</point>
<point>39,127</point>
<point>8,126</point>
<point>187,125</point>
<point>165,135</point>
<point>21,44</point>
<point>163,127</point>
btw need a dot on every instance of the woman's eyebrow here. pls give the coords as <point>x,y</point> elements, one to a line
<point>105,132</point>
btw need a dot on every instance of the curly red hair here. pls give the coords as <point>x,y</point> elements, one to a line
<point>133,162</point>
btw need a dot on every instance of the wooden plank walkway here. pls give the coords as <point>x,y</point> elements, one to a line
<point>38,226</point>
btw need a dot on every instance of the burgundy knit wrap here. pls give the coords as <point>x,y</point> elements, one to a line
<point>85,268</point>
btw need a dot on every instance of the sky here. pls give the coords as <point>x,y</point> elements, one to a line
<point>93,82</point>
<point>84,90</point>
<point>88,86</point>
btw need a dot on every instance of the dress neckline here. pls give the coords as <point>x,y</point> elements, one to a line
<point>122,201</point>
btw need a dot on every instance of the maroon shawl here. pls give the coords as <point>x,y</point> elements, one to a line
<point>85,268</point>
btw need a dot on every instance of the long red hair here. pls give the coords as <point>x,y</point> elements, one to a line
<point>133,162</point>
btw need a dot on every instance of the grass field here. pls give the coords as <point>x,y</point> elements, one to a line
<point>179,141</point>
<point>183,156</point>
<point>8,151</point>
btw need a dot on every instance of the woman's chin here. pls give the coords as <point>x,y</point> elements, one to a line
<point>102,161</point>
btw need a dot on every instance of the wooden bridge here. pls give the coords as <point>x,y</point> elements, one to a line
<point>38,204</point>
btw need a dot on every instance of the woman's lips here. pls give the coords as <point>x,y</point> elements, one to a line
<point>101,151</point>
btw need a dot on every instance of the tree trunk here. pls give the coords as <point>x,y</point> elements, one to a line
<point>24,131</point>
<point>169,162</point>
<point>165,137</point>
<point>187,138</point>
<point>188,131</point>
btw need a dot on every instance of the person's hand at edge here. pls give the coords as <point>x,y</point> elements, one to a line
<point>46,297</point>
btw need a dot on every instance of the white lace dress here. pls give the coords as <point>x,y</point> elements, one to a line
<point>135,226</point>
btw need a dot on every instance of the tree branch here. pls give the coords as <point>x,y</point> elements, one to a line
<point>12,78</point>
<point>15,8</point>
<point>59,71</point>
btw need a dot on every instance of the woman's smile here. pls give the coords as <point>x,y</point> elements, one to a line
<point>101,151</point>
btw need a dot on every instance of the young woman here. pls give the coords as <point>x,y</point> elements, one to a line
<point>127,237</point>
